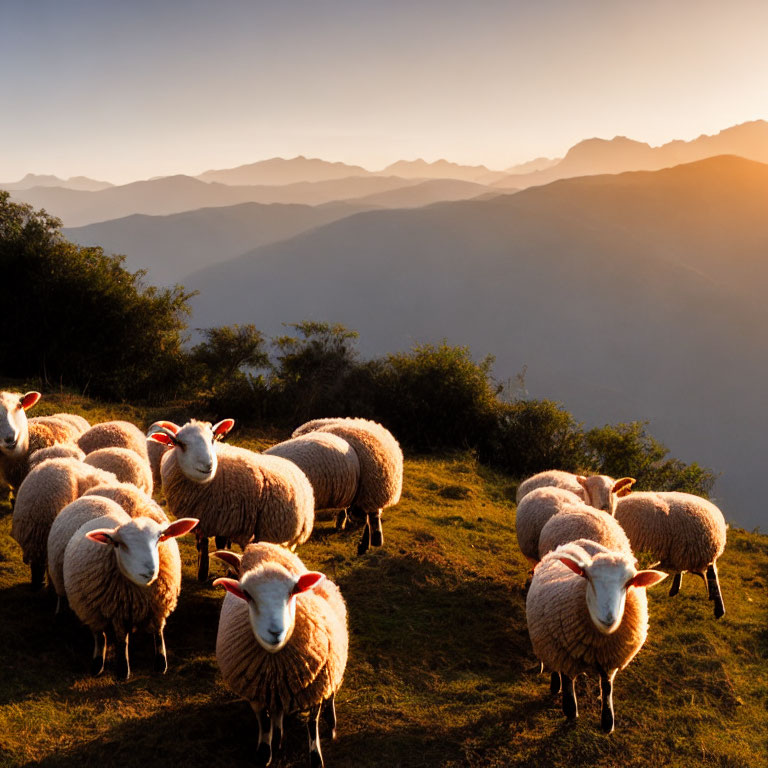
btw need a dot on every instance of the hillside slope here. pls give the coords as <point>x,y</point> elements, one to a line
<point>637,296</point>
<point>441,671</point>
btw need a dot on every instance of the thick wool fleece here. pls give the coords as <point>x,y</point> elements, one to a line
<point>684,532</point>
<point>64,526</point>
<point>533,512</point>
<point>44,431</point>
<point>329,462</point>
<point>114,434</point>
<point>380,455</point>
<point>252,496</point>
<point>134,502</point>
<point>561,630</point>
<point>308,669</point>
<point>553,478</point>
<point>48,488</point>
<point>125,464</point>
<point>80,424</point>
<point>583,523</point>
<point>58,451</point>
<point>155,452</point>
<point>102,597</point>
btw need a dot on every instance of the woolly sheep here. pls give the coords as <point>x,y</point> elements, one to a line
<point>20,436</point>
<point>331,465</point>
<point>299,621</point>
<point>682,531</point>
<point>381,469</point>
<point>583,523</point>
<point>156,450</point>
<point>58,451</point>
<point>114,434</point>
<point>587,612</point>
<point>46,490</point>
<point>125,464</point>
<point>123,574</point>
<point>133,501</point>
<point>237,495</point>
<point>599,491</point>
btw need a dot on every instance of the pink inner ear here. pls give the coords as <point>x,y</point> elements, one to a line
<point>307,581</point>
<point>232,586</point>
<point>169,425</point>
<point>179,528</point>
<point>29,400</point>
<point>647,578</point>
<point>232,559</point>
<point>161,437</point>
<point>102,537</point>
<point>224,426</point>
<point>577,569</point>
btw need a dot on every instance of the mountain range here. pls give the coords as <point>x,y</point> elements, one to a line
<point>31,180</point>
<point>638,295</point>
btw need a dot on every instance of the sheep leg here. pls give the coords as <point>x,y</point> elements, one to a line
<point>365,542</point>
<point>313,728</point>
<point>374,523</point>
<point>202,557</point>
<point>161,658</point>
<point>277,729</point>
<point>329,713</point>
<point>713,583</point>
<point>62,606</point>
<point>122,662</point>
<point>221,542</point>
<point>676,582</point>
<point>570,707</point>
<point>554,683</point>
<point>264,749</point>
<point>99,653</point>
<point>606,698</point>
<point>341,519</point>
<point>38,575</point>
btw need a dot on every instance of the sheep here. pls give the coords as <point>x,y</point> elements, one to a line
<point>587,612</point>
<point>124,573</point>
<point>299,621</point>
<point>58,451</point>
<point>133,501</point>
<point>156,450</point>
<point>583,522</point>
<point>46,490</point>
<point>331,465</point>
<point>682,531</point>
<point>125,464</point>
<point>114,434</point>
<point>599,491</point>
<point>381,469</point>
<point>20,436</point>
<point>237,495</point>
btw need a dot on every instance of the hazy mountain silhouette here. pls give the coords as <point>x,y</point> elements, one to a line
<point>441,169</point>
<point>628,297</point>
<point>74,182</point>
<point>174,194</point>
<point>171,246</point>
<point>598,156</point>
<point>283,171</point>
<point>428,192</point>
<point>537,164</point>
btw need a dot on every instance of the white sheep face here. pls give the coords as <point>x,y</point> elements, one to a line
<point>607,593</point>
<point>14,428</point>
<point>271,594</point>
<point>603,491</point>
<point>195,452</point>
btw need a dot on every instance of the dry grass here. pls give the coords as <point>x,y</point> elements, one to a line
<point>440,672</point>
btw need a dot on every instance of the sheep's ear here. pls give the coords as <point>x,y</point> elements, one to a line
<point>101,535</point>
<point>232,586</point>
<point>307,581</point>
<point>169,425</point>
<point>232,559</point>
<point>179,528</point>
<point>582,481</point>
<point>646,578</point>
<point>162,437</point>
<point>28,400</point>
<point>221,429</point>
<point>572,564</point>
<point>623,487</point>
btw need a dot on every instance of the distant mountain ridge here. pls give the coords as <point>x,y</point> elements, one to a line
<point>74,182</point>
<point>281,171</point>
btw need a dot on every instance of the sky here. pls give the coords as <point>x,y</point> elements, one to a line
<point>122,91</point>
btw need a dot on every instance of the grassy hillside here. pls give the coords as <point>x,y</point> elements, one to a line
<point>440,673</point>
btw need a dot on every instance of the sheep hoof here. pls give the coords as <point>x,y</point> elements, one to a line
<point>606,724</point>
<point>97,667</point>
<point>161,664</point>
<point>315,760</point>
<point>263,755</point>
<point>377,538</point>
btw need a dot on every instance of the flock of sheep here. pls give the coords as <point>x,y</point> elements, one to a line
<point>84,514</point>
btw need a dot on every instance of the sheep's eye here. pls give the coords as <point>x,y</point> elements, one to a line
<point>20,405</point>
